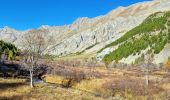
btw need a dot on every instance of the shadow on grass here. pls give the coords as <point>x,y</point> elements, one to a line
<point>4,86</point>
<point>12,98</point>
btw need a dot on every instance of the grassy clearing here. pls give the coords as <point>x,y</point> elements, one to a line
<point>83,56</point>
<point>17,89</point>
<point>13,89</point>
<point>114,83</point>
<point>129,84</point>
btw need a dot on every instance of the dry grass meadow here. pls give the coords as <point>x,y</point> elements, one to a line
<point>102,84</point>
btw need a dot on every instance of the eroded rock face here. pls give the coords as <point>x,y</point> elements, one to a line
<point>85,32</point>
<point>9,35</point>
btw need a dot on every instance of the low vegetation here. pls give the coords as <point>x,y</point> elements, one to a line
<point>126,86</point>
<point>115,83</point>
<point>18,89</point>
<point>98,83</point>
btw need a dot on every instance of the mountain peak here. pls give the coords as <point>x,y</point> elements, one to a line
<point>6,28</point>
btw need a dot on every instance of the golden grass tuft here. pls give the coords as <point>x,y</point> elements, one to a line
<point>53,79</point>
<point>90,85</point>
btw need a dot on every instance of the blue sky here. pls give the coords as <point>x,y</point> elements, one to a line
<point>25,14</point>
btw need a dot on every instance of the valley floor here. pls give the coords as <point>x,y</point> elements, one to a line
<point>115,84</point>
<point>17,89</point>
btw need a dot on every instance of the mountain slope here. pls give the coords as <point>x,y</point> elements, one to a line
<point>153,33</point>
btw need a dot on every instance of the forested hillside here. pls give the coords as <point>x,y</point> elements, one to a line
<point>8,49</point>
<point>153,33</point>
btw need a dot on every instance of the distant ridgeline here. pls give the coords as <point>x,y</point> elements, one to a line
<point>8,50</point>
<point>153,33</point>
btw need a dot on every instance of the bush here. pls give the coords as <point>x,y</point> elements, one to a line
<point>72,75</point>
<point>127,85</point>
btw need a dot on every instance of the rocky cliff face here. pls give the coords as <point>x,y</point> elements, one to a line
<point>8,34</point>
<point>94,32</point>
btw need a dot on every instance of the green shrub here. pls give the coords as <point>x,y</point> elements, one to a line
<point>8,49</point>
